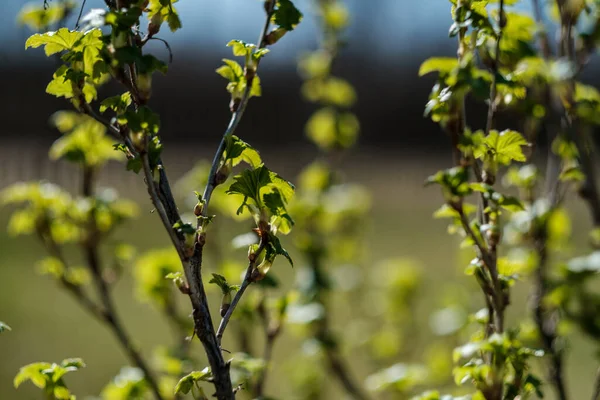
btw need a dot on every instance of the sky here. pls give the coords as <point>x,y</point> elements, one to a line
<point>380,27</point>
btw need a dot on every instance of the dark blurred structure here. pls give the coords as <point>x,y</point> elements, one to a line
<point>387,42</point>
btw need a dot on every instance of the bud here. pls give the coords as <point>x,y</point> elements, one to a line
<point>234,104</point>
<point>261,271</point>
<point>223,173</point>
<point>144,86</point>
<point>137,138</point>
<point>198,209</point>
<point>225,303</point>
<point>274,36</point>
<point>202,239</point>
<point>154,25</point>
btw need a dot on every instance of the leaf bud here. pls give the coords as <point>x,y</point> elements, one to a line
<point>225,304</point>
<point>223,173</point>
<point>274,36</point>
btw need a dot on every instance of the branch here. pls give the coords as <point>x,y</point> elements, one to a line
<point>545,323</point>
<point>596,394</point>
<point>236,117</point>
<point>541,31</point>
<point>236,299</point>
<point>495,70</point>
<point>589,189</point>
<point>90,247</point>
<point>271,333</point>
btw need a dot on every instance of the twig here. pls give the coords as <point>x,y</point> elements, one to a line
<point>236,299</point>
<point>271,334</point>
<point>337,366</point>
<point>596,394</point>
<point>90,247</point>
<point>541,31</point>
<point>158,204</point>
<point>589,189</point>
<point>495,70</point>
<point>80,14</point>
<point>546,326</point>
<point>236,117</point>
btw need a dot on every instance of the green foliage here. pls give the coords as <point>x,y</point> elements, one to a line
<point>83,141</point>
<point>128,384</point>
<point>84,68</point>
<point>49,377</point>
<point>265,196</point>
<point>286,15</point>
<point>39,17</point>
<point>151,271</point>
<point>191,381</point>
<point>161,11</point>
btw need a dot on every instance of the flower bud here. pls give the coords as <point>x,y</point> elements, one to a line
<point>198,209</point>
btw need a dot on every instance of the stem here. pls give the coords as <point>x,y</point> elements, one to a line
<point>90,247</point>
<point>234,304</point>
<point>596,394</point>
<point>542,35</point>
<point>546,324</point>
<point>271,333</point>
<point>495,70</point>
<point>589,189</point>
<point>238,296</point>
<point>236,117</point>
<point>339,369</point>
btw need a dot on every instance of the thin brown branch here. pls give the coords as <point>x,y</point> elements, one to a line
<point>238,296</point>
<point>546,320</point>
<point>596,394</point>
<point>271,333</point>
<point>236,117</point>
<point>90,248</point>
<point>541,31</point>
<point>589,189</point>
<point>495,70</point>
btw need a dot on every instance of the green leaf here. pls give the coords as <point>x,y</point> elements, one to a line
<point>54,42</point>
<point>249,183</point>
<point>117,103</point>
<point>84,140</point>
<point>241,48</point>
<point>186,383</point>
<point>503,147</point>
<point>443,65</point>
<point>37,18</point>
<point>222,283</point>
<point>286,15</point>
<point>275,249</point>
<point>237,150</point>
<point>61,85</point>
<point>256,89</point>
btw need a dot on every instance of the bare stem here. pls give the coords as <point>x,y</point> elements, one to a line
<point>90,248</point>
<point>236,118</point>
<point>596,394</point>
<point>495,70</point>
<point>238,296</point>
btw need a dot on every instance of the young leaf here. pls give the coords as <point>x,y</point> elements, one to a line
<point>286,15</point>
<point>54,42</point>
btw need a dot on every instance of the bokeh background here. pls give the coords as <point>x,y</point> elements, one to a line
<point>397,150</point>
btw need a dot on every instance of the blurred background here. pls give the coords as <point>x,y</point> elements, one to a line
<point>397,150</point>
